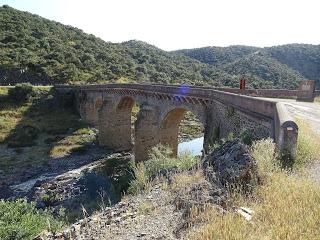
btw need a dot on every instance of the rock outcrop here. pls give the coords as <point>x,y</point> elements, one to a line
<point>231,165</point>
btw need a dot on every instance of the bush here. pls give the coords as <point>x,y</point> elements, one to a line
<point>21,220</point>
<point>160,159</point>
<point>21,92</point>
<point>246,137</point>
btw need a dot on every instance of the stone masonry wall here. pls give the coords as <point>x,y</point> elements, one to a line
<point>223,120</point>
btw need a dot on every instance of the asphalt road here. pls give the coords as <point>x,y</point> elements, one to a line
<point>306,111</point>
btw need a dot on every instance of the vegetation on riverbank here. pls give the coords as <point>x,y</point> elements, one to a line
<point>160,162</point>
<point>286,205</point>
<point>20,220</point>
<point>190,127</point>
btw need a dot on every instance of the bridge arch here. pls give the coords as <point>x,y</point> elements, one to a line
<point>125,103</point>
<point>170,124</point>
<point>98,103</point>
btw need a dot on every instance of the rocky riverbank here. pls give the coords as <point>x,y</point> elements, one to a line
<point>73,182</point>
<point>166,209</point>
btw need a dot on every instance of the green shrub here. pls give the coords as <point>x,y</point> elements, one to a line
<point>246,137</point>
<point>49,198</point>
<point>160,159</point>
<point>21,92</point>
<point>21,220</point>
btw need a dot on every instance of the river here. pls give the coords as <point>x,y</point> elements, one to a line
<point>193,146</point>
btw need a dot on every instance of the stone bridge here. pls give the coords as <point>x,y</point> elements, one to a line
<point>163,106</point>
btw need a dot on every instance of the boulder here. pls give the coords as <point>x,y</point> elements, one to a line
<point>231,165</point>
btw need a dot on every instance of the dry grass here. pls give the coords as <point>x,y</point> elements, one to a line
<point>183,180</point>
<point>141,179</point>
<point>73,143</point>
<point>317,100</point>
<point>308,150</point>
<point>145,207</point>
<point>286,206</point>
<point>265,154</point>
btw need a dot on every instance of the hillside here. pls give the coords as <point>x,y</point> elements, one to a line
<point>40,51</point>
<point>304,58</point>
<point>217,56</point>
<point>264,71</point>
<point>285,65</point>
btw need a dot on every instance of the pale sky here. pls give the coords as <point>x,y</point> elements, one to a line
<point>178,24</point>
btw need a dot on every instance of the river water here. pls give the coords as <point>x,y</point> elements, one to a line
<point>193,146</point>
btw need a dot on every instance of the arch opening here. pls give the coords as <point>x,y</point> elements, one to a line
<point>182,130</point>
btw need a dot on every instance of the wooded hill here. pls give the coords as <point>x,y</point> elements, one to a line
<point>279,65</point>
<point>40,51</point>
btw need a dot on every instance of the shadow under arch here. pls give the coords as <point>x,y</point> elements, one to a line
<point>125,103</point>
<point>169,128</point>
<point>98,103</point>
